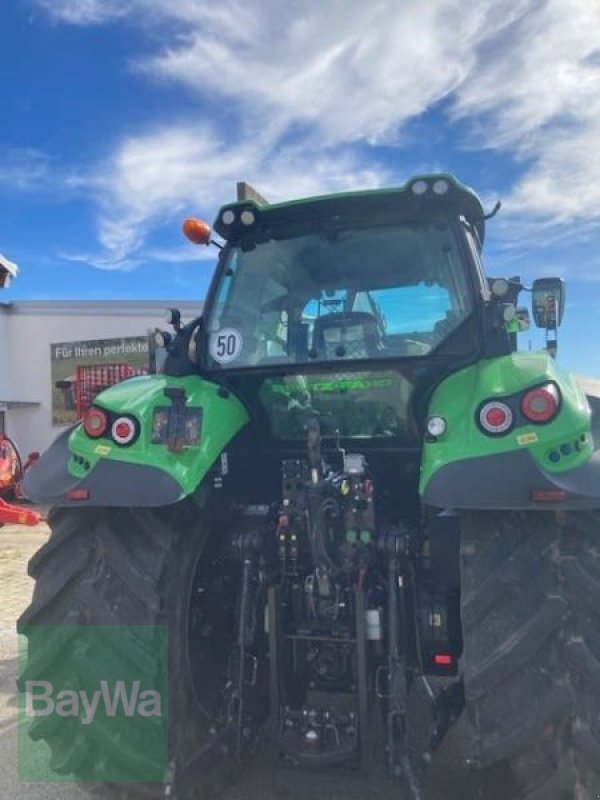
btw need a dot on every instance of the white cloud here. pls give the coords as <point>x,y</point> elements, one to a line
<point>348,70</point>
<point>562,181</point>
<point>536,93</point>
<point>175,172</point>
<point>352,71</point>
<point>101,261</point>
<point>184,254</point>
<point>23,169</point>
<point>538,70</point>
<point>521,76</point>
<point>84,12</point>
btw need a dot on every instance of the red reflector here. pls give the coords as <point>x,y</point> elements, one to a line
<point>443,660</point>
<point>78,494</point>
<point>122,430</point>
<point>548,495</point>
<point>496,417</point>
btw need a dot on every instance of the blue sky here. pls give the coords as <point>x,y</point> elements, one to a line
<point>121,117</point>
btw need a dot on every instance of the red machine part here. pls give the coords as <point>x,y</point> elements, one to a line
<point>91,379</point>
<point>11,469</point>
<point>16,515</point>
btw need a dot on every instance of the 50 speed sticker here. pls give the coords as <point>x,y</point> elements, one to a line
<point>226,345</point>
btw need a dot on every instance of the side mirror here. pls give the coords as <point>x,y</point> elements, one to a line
<point>548,302</point>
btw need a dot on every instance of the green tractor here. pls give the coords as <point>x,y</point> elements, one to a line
<point>346,479</point>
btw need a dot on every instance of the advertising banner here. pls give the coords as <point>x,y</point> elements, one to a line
<point>80,370</point>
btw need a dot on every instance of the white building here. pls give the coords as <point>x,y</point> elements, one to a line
<point>28,329</point>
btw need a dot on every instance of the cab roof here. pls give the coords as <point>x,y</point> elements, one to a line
<point>428,195</point>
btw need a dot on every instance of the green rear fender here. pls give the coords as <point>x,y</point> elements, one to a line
<point>466,467</point>
<point>223,416</point>
<point>98,472</point>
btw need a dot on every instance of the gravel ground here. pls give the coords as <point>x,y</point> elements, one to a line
<point>265,779</point>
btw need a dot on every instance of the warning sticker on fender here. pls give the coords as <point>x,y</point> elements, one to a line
<point>527,438</point>
<point>226,345</point>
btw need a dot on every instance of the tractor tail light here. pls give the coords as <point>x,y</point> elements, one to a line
<point>541,404</point>
<point>95,423</point>
<point>495,417</point>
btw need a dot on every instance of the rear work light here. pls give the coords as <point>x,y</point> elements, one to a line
<point>495,417</point>
<point>419,187</point>
<point>123,431</point>
<point>95,423</point>
<point>176,429</point>
<point>541,404</point>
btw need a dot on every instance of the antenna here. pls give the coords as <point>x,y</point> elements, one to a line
<point>494,211</point>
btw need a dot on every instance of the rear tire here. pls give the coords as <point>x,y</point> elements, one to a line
<point>111,566</point>
<point>530,603</point>
<point>580,572</point>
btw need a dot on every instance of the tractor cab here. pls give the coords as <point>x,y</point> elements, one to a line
<point>349,278</point>
<point>339,307</point>
<point>352,307</point>
<point>338,296</point>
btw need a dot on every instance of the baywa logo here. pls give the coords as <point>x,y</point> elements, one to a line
<point>41,700</point>
<point>93,703</point>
